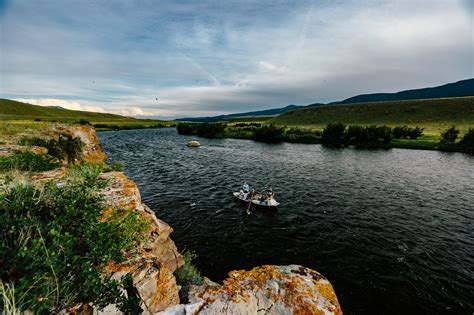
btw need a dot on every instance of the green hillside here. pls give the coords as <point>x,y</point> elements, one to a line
<point>11,110</point>
<point>433,114</point>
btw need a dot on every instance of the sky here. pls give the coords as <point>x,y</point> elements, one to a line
<point>169,59</point>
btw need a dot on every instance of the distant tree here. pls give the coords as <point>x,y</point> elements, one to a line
<point>450,135</point>
<point>334,134</point>
<point>268,133</point>
<point>414,133</point>
<point>403,132</point>
<point>356,135</point>
<point>467,142</point>
<point>83,121</point>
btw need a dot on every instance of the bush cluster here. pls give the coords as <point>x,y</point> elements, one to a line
<point>337,135</point>
<point>405,132</point>
<point>448,140</point>
<point>467,142</point>
<point>57,239</point>
<point>28,161</point>
<point>206,130</point>
<point>187,275</point>
<point>248,125</point>
<point>65,147</point>
<point>268,133</point>
<point>301,135</point>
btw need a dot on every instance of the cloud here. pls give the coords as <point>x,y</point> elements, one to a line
<point>134,111</point>
<point>215,57</point>
<point>62,103</point>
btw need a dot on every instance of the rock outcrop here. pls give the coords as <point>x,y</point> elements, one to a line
<point>267,289</point>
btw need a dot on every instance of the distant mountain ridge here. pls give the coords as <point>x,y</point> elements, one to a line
<point>266,112</point>
<point>456,89</point>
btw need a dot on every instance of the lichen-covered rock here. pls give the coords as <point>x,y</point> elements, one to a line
<point>15,148</point>
<point>153,263</point>
<point>267,289</point>
<point>92,150</point>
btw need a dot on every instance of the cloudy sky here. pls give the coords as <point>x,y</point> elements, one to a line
<point>213,57</point>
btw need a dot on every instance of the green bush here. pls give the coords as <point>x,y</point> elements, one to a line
<point>28,161</point>
<point>64,148</point>
<point>449,136</point>
<point>83,121</point>
<point>187,275</point>
<point>116,167</point>
<point>334,134</point>
<point>467,142</point>
<point>56,241</point>
<point>404,132</point>
<point>298,135</point>
<point>206,130</point>
<point>369,136</point>
<point>268,133</point>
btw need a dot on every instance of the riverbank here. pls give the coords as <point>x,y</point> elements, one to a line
<point>358,136</point>
<point>118,252</point>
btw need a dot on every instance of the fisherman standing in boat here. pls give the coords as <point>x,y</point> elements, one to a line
<point>270,192</point>
<point>245,187</point>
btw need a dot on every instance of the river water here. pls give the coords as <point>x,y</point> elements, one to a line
<point>393,230</point>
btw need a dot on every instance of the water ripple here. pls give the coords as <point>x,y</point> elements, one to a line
<point>391,229</point>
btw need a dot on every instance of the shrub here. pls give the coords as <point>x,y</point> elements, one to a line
<point>268,133</point>
<point>467,142</point>
<point>403,132</point>
<point>450,135</point>
<point>57,240</point>
<point>64,148</point>
<point>187,275</point>
<point>356,135</point>
<point>301,135</point>
<point>206,130</point>
<point>116,167</point>
<point>28,161</point>
<point>333,134</point>
<point>368,137</point>
<point>83,121</point>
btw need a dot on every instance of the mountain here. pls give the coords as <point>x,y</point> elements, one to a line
<point>266,112</point>
<point>17,110</point>
<point>456,89</point>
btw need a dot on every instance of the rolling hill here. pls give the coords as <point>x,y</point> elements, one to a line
<point>456,89</point>
<point>432,113</point>
<point>260,113</point>
<point>17,110</point>
<point>461,88</point>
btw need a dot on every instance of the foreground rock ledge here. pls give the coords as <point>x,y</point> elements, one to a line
<point>267,289</point>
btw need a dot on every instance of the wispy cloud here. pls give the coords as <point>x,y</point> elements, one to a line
<point>213,57</point>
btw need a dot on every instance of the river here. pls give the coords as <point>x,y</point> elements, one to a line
<point>392,230</point>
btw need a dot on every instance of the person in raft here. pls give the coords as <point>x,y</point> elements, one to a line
<point>245,187</point>
<point>270,192</point>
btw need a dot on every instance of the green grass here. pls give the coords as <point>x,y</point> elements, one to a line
<point>434,115</point>
<point>28,161</point>
<point>56,241</point>
<point>15,111</point>
<point>10,110</point>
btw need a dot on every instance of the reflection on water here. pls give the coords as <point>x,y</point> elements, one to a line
<point>391,229</point>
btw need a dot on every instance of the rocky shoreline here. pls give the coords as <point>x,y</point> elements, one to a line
<point>266,289</point>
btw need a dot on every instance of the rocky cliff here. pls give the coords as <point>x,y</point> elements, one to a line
<point>263,290</point>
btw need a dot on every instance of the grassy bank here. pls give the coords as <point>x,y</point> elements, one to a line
<point>433,115</point>
<point>354,135</point>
